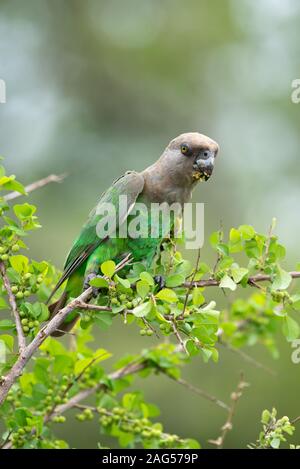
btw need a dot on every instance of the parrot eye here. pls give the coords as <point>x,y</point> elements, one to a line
<point>185,149</point>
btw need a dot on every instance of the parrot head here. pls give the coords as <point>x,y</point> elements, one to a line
<point>191,157</point>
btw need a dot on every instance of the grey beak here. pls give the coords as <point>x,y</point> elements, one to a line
<point>205,163</point>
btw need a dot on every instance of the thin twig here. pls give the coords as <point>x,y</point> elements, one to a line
<point>147,324</point>
<point>257,285</point>
<point>247,357</point>
<point>126,261</point>
<point>178,336</point>
<point>295,420</point>
<point>227,427</point>
<point>198,391</point>
<point>93,307</point>
<point>37,185</point>
<point>6,441</point>
<point>14,308</point>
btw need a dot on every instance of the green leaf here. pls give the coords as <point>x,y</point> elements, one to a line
<point>275,443</point>
<point>223,249</point>
<point>53,347</point>
<point>191,348</point>
<point>206,354</point>
<point>167,295</point>
<point>202,269</point>
<point>184,268</point>
<point>265,417</point>
<point>14,185</point>
<point>214,239</point>
<point>296,301</point>
<point>6,324</point>
<point>108,268</point>
<point>81,365</point>
<point>122,281</point>
<point>101,354</point>
<point>252,248</point>
<point>206,334</point>
<point>24,211</point>
<point>26,382</point>
<point>3,304</point>
<point>234,236</point>
<point>99,282</point>
<point>226,262</point>
<point>215,354</point>
<point>208,317</point>
<point>104,320</point>
<point>142,310</point>
<point>227,282</point>
<point>290,328</point>
<point>42,266</point>
<point>20,416</point>
<point>62,364</point>
<point>247,231</point>
<point>175,280</point>
<point>239,273</point>
<point>147,278</point>
<point>192,444</point>
<point>142,288</point>
<point>8,340</point>
<point>198,298</point>
<point>41,311</point>
<point>19,263</point>
<point>282,279</point>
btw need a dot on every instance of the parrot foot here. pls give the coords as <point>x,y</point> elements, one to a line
<point>160,281</point>
<point>86,284</point>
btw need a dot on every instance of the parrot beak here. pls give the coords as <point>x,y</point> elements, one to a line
<point>204,165</point>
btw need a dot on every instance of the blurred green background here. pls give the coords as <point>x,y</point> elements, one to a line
<point>98,87</point>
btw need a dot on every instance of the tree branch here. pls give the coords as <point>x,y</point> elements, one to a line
<point>227,427</point>
<point>37,185</point>
<point>198,391</point>
<point>14,308</point>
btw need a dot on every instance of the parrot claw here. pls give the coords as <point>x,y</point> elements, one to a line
<point>86,284</point>
<point>160,281</point>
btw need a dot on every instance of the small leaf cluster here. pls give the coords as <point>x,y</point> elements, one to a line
<point>275,431</point>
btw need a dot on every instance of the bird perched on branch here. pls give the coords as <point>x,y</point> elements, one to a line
<point>188,159</point>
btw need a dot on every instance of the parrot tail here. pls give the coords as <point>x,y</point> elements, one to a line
<point>53,310</point>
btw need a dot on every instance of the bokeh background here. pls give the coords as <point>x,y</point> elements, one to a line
<point>98,87</point>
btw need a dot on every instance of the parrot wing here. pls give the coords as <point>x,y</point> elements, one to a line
<point>130,185</point>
